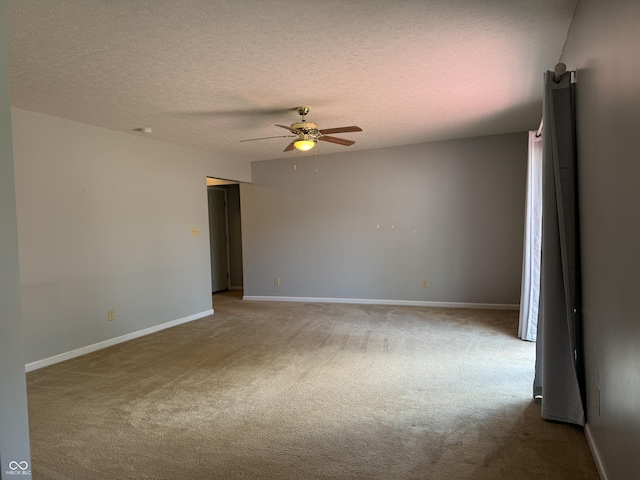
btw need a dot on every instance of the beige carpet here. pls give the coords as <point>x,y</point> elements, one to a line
<point>305,391</point>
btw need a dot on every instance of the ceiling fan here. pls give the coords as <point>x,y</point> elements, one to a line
<point>307,133</point>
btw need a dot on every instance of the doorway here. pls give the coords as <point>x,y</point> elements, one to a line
<point>218,238</point>
<point>225,236</point>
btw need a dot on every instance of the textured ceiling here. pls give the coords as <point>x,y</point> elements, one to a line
<point>209,73</point>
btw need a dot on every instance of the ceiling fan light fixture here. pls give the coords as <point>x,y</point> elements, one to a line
<point>305,143</point>
<point>307,134</point>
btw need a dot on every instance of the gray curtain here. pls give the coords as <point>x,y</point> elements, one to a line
<point>559,357</point>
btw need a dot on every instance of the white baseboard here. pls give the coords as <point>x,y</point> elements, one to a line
<point>45,362</point>
<point>364,301</point>
<point>594,452</point>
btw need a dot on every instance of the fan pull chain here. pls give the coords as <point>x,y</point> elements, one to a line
<point>315,160</point>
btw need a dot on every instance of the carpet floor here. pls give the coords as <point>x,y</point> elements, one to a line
<point>266,390</point>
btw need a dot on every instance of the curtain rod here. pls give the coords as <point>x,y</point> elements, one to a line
<point>560,69</point>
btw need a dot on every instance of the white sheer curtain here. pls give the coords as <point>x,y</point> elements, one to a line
<point>530,290</point>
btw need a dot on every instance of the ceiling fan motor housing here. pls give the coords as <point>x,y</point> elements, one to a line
<point>307,128</point>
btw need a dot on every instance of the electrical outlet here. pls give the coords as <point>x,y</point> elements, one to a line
<point>425,284</point>
<point>194,231</point>
<point>276,280</point>
<point>111,314</point>
<point>598,400</point>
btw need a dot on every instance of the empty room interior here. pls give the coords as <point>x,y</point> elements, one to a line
<point>282,240</point>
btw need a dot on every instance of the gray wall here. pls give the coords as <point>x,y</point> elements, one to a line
<point>372,224</point>
<point>14,427</point>
<point>104,223</point>
<point>603,46</point>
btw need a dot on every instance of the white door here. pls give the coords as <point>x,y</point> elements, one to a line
<point>218,239</point>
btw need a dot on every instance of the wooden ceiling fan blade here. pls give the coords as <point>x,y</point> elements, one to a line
<point>289,147</point>
<point>339,141</point>
<point>341,129</point>
<point>265,138</point>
